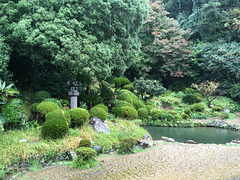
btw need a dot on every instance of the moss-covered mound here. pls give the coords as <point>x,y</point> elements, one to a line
<point>142,113</point>
<point>98,112</point>
<point>59,114</point>
<point>54,128</point>
<point>78,116</point>
<point>46,107</point>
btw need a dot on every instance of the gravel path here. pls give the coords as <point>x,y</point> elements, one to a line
<point>167,161</point>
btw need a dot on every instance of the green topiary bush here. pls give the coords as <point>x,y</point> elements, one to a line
<point>33,107</point>
<point>129,112</point>
<point>54,128</point>
<point>85,143</point>
<point>198,107</point>
<point>59,114</point>
<point>102,106</point>
<point>127,145</point>
<point>185,116</point>
<point>98,112</point>
<point>138,104</point>
<point>149,108</point>
<point>129,87</point>
<point>53,100</point>
<point>85,158</point>
<point>142,113</point>
<point>217,108</point>
<point>46,107</point>
<point>118,103</point>
<point>41,95</point>
<point>177,117</point>
<point>126,112</point>
<point>156,113</point>
<point>78,116</point>
<point>86,153</point>
<point>121,82</point>
<point>125,96</point>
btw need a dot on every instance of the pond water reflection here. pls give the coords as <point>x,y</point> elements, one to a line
<point>204,135</point>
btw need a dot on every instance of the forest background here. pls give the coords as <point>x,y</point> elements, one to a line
<point>176,42</point>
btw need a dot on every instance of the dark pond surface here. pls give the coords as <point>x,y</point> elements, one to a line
<point>204,135</point>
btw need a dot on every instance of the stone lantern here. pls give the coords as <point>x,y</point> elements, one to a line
<point>74,84</point>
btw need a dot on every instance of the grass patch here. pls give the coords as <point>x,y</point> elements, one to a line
<point>13,151</point>
<point>231,116</point>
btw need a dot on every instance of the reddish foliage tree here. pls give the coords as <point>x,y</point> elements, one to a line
<point>166,43</point>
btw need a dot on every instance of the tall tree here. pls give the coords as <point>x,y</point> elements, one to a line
<point>94,37</point>
<point>165,44</point>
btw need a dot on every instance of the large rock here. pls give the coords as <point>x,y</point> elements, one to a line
<point>217,123</point>
<point>99,126</point>
<point>167,139</point>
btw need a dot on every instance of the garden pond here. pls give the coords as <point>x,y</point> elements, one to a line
<point>205,135</point>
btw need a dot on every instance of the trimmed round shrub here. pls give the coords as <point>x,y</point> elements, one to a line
<point>85,143</point>
<point>125,96</point>
<point>54,128</point>
<point>118,111</point>
<point>46,107</point>
<point>142,113</point>
<point>102,106</point>
<point>129,87</point>
<point>33,107</point>
<point>177,117</point>
<point>121,82</point>
<point>127,145</point>
<point>217,108</point>
<point>126,112</point>
<point>198,95</point>
<point>189,99</point>
<point>189,91</point>
<point>216,114</point>
<point>156,113</point>
<point>98,112</point>
<point>118,103</point>
<point>198,107</point>
<point>41,95</point>
<point>59,114</point>
<point>86,153</point>
<point>224,115</point>
<point>53,100</point>
<point>138,104</point>
<point>187,111</point>
<point>149,108</point>
<point>129,112</point>
<point>78,116</point>
<point>185,116</point>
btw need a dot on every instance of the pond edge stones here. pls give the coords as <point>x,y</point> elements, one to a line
<point>167,139</point>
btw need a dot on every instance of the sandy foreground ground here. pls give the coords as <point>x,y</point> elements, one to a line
<point>166,161</point>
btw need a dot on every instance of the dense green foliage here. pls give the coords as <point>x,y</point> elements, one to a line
<point>85,143</point>
<point>41,95</point>
<point>78,116</point>
<point>127,145</point>
<point>46,107</point>
<point>54,128</point>
<point>4,60</point>
<point>60,115</point>
<point>99,112</point>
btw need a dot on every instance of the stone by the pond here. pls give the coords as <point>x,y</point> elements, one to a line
<point>190,142</point>
<point>167,139</point>
<point>99,126</point>
<point>146,136</point>
<point>236,141</point>
<point>144,143</point>
<point>98,148</point>
<point>217,123</point>
<point>220,123</point>
<point>73,155</point>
